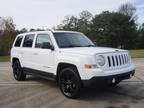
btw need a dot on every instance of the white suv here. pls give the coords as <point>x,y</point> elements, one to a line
<point>70,58</point>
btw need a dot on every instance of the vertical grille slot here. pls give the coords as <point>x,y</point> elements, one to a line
<point>120,60</point>
<point>109,61</point>
<point>113,61</point>
<point>124,58</point>
<point>116,60</point>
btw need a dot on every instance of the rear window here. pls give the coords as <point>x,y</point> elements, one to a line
<point>28,41</point>
<point>18,41</point>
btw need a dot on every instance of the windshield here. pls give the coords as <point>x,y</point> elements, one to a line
<point>67,40</point>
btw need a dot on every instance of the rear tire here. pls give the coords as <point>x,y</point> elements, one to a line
<point>69,82</point>
<point>18,73</point>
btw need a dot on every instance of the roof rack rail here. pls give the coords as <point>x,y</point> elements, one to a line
<point>49,30</point>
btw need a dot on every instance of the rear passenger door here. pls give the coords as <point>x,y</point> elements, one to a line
<point>27,51</point>
<point>43,58</point>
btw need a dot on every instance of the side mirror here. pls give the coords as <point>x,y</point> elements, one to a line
<point>47,45</point>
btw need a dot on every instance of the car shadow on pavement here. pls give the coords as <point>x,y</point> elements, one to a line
<point>123,91</point>
<point>41,81</point>
<point>118,94</point>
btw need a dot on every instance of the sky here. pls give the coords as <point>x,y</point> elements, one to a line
<point>49,13</point>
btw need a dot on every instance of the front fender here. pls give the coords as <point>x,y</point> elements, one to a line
<point>76,60</point>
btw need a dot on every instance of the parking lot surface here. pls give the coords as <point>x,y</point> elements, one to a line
<point>40,93</point>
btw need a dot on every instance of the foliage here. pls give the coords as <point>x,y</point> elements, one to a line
<point>7,35</point>
<point>73,23</point>
<point>140,38</point>
<point>113,29</point>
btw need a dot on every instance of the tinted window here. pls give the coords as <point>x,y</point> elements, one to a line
<point>18,41</point>
<point>28,41</point>
<point>41,40</point>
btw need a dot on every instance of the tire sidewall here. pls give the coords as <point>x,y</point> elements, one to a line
<point>79,85</point>
<point>21,75</point>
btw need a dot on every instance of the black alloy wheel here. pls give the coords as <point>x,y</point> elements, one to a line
<point>18,71</point>
<point>69,82</point>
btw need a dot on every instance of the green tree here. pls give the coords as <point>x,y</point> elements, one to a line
<point>140,38</point>
<point>69,23</point>
<point>113,29</point>
<point>84,22</point>
<point>80,23</point>
<point>23,30</point>
<point>7,35</point>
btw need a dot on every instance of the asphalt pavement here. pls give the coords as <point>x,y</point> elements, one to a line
<point>40,93</point>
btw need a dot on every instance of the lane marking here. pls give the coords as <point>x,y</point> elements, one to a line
<point>19,84</point>
<point>139,78</point>
<point>5,68</point>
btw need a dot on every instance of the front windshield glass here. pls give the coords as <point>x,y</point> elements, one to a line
<point>67,40</point>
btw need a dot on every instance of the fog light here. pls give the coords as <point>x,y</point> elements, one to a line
<point>113,80</point>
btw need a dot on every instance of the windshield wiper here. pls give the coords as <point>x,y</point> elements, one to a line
<point>72,46</point>
<point>89,46</point>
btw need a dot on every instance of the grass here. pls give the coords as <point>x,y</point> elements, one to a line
<point>133,53</point>
<point>4,58</point>
<point>137,53</point>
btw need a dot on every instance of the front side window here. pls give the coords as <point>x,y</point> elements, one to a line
<point>67,40</point>
<point>28,41</point>
<point>18,41</point>
<point>42,40</point>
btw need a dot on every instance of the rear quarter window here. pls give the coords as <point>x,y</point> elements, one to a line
<point>18,41</point>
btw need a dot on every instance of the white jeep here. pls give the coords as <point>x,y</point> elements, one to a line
<point>70,58</point>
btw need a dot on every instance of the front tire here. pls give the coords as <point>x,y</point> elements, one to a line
<point>18,73</point>
<point>69,82</point>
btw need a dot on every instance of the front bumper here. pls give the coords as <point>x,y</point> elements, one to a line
<point>101,79</point>
<point>87,74</point>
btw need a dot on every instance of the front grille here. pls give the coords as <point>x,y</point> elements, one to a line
<point>117,60</point>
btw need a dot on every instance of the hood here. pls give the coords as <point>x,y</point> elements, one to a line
<point>89,50</point>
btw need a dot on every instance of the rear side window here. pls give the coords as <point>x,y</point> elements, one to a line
<point>28,41</point>
<point>18,41</point>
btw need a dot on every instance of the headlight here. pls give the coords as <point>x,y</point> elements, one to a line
<point>100,60</point>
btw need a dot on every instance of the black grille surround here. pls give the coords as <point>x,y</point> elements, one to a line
<point>118,60</point>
